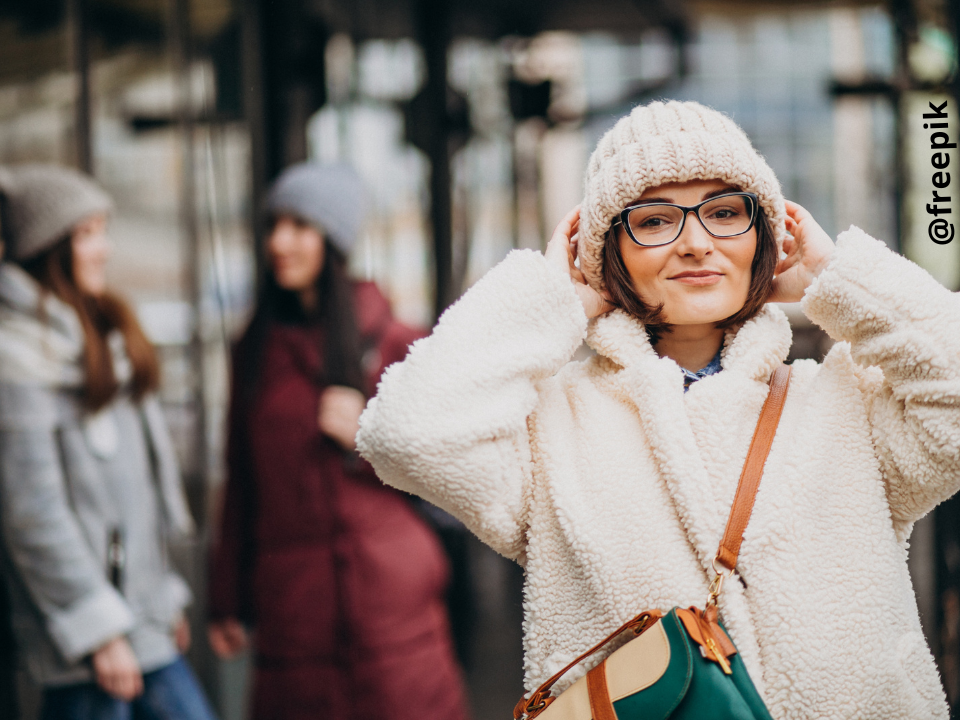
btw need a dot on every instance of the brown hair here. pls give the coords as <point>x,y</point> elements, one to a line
<point>335,314</point>
<point>620,284</point>
<point>98,315</point>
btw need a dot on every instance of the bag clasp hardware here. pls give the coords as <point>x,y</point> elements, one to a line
<point>716,586</point>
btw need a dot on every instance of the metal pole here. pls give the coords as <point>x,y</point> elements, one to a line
<point>905,25</point>
<point>254,113</point>
<point>192,265</point>
<point>434,38</point>
<point>953,17</point>
<point>80,65</point>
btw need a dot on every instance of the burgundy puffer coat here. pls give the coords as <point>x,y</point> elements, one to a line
<point>340,577</point>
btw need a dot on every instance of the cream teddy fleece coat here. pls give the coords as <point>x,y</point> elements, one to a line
<point>612,487</point>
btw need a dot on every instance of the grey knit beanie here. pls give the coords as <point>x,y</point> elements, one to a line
<point>663,143</point>
<point>329,197</point>
<point>40,204</point>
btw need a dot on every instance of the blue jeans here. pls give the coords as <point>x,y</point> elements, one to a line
<point>170,693</point>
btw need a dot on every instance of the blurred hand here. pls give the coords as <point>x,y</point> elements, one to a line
<point>117,670</point>
<point>808,252</point>
<point>227,638</point>
<point>561,252</point>
<point>181,634</point>
<point>339,415</point>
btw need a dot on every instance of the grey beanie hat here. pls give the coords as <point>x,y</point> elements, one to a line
<point>40,204</point>
<point>329,197</point>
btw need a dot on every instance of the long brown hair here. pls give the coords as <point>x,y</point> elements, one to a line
<point>335,313</point>
<point>99,316</point>
<point>620,284</point>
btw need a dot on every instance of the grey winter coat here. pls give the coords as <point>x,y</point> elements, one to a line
<point>68,481</point>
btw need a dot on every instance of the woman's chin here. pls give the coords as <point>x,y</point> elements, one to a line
<point>291,283</point>
<point>701,313</point>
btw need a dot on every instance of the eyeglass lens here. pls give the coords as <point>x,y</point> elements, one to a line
<point>725,216</point>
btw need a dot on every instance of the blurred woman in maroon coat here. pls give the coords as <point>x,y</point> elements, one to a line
<point>342,581</point>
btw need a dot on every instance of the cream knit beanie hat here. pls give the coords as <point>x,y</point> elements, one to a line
<point>663,143</point>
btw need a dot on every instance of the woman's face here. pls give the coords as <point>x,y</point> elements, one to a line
<point>698,278</point>
<point>90,250</point>
<point>296,253</point>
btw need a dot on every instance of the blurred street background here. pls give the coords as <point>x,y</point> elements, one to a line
<point>471,123</point>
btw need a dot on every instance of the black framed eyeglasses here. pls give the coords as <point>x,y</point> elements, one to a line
<point>723,216</point>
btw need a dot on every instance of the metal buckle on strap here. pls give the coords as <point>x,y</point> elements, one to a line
<point>716,586</point>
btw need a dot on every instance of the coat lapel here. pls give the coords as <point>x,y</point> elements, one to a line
<point>654,386</point>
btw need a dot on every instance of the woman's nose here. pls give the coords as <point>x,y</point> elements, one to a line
<point>280,240</point>
<point>694,239</point>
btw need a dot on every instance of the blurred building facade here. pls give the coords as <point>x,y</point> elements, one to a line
<point>472,124</point>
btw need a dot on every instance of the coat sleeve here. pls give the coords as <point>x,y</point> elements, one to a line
<point>900,320</point>
<point>449,423</point>
<point>41,535</point>
<point>230,592</point>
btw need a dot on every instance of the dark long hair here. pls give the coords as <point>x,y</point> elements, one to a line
<point>620,285</point>
<point>334,314</point>
<point>99,315</point>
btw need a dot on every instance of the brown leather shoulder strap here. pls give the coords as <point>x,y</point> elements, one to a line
<point>601,708</point>
<point>753,468</point>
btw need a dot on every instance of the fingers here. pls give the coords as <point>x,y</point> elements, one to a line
<point>182,635</point>
<point>608,299</point>
<point>117,670</point>
<point>577,275</point>
<point>127,685</point>
<point>227,638</point>
<point>562,251</point>
<point>796,211</point>
<point>572,219</point>
<point>218,642</point>
<point>568,226</point>
<point>223,645</point>
<point>237,635</point>
<point>342,401</point>
<point>791,226</point>
<point>339,414</point>
<point>558,249</point>
<point>340,395</point>
<point>594,303</point>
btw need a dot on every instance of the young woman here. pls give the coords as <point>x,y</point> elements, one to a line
<point>89,486</point>
<point>342,581</point>
<point>611,480</point>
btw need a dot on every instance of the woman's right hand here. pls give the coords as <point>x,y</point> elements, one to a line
<point>227,638</point>
<point>117,670</point>
<point>561,252</point>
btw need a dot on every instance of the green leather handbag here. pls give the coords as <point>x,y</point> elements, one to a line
<point>681,665</point>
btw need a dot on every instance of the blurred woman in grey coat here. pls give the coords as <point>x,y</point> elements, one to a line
<point>89,486</point>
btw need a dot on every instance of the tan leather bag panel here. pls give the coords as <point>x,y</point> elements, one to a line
<point>635,666</point>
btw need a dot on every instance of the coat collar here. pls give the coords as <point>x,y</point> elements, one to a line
<point>754,350</point>
<point>654,385</point>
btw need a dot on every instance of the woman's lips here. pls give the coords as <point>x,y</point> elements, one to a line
<point>698,277</point>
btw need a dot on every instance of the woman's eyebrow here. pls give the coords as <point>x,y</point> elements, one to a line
<point>648,201</point>
<point>720,191</point>
<point>670,201</point>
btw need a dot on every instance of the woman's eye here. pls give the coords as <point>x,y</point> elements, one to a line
<point>724,214</point>
<point>654,222</point>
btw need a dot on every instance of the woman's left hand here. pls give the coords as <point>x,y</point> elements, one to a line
<point>339,415</point>
<point>808,252</point>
